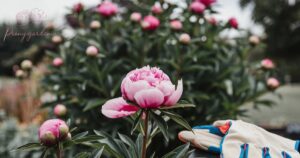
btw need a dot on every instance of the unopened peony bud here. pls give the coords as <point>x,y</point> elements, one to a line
<point>91,51</point>
<point>77,8</point>
<point>20,73</point>
<point>233,23</point>
<point>63,131</point>
<point>207,3</point>
<point>26,65</point>
<point>57,39</point>
<point>267,64</point>
<point>185,38</point>
<point>176,25</point>
<point>95,25</point>
<point>273,83</point>
<point>213,21</point>
<point>69,136</point>
<point>136,17</point>
<point>48,139</point>
<point>150,23</point>
<point>197,7</point>
<point>254,40</point>
<point>156,9</point>
<point>107,9</point>
<point>60,110</point>
<point>57,62</point>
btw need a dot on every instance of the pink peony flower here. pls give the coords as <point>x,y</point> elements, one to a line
<point>273,83</point>
<point>77,8</point>
<point>267,64</point>
<point>52,131</point>
<point>150,23</point>
<point>156,9</point>
<point>148,88</point>
<point>254,40</point>
<point>57,62</point>
<point>60,110</point>
<point>176,25</point>
<point>136,17</point>
<point>91,51</point>
<point>207,3</point>
<point>213,21</point>
<point>233,22</point>
<point>197,7</point>
<point>185,38</point>
<point>107,9</point>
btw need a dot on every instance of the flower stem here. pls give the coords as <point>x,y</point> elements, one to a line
<point>145,138</point>
<point>58,151</point>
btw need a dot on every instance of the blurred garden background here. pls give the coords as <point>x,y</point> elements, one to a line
<point>225,53</point>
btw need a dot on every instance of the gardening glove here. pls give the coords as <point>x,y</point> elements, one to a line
<point>238,139</point>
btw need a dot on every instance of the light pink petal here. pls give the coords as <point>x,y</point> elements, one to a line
<point>166,87</point>
<point>133,87</point>
<point>173,99</point>
<point>149,98</point>
<point>118,107</point>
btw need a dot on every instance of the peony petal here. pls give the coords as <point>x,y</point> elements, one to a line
<point>173,99</point>
<point>133,87</point>
<point>166,87</point>
<point>118,107</point>
<point>149,98</point>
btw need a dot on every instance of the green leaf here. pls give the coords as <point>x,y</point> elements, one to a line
<point>29,146</point>
<point>178,119</point>
<point>80,135</point>
<point>179,152</point>
<point>161,123</point>
<point>82,155</point>
<point>178,106</point>
<point>87,139</point>
<point>97,153</point>
<point>45,153</point>
<point>93,104</point>
<point>136,121</point>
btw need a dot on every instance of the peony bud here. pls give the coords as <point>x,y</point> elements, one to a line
<point>69,136</point>
<point>20,74</point>
<point>233,23</point>
<point>57,39</point>
<point>185,38</point>
<point>207,3</point>
<point>48,139</point>
<point>213,21</point>
<point>136,17</point>
<point>197,7</point>
<point>150,23</point>
<point>176,25</point>
<point>91,51</point>
<point>60,110</point>
<point>107,9</point>
<point>267,64</point>
<point>156,9</point>
<point>95,25</point>
<point>77,8</point>
<point>63,131</point>
<point>273,83</point>
<point>254,40</point>
<point>26,64</point>
<point>57,62</point>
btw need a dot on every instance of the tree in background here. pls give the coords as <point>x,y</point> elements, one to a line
<point>280,19</point>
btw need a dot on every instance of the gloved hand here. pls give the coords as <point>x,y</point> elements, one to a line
<point>238,139</point>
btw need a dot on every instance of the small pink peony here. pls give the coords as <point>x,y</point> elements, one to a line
<point>233,23</point>
<point>213,21</point>
<point>95,25</point>
<point>107,9</point>
<point>57,62</point>
<point>176,25</point>
<point>185,38</point>
<point>150,23</point>
<point>77,8</point>
<point>254,40</point>
<point>273,83</point>
<point>267,64</point>
<point>197,7</point>
<point>52,131</point>
<point>60,110</point>
<point>156,9</point>
<point>91,51</point>
<point>207,3</point>
<point>148,88</point>
<point>136,17</point>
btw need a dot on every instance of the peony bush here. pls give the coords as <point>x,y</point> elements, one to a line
<point>185,41</point>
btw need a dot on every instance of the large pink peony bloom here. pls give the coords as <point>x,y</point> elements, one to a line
<point>107,9</point>
<point>148,88</point>
<point>150,23</point>
<point>51,131</point>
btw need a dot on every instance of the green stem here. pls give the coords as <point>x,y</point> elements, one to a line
<point>145,138</point>
<point>58,152</point>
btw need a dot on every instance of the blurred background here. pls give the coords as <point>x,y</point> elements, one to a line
<point>276,22</point>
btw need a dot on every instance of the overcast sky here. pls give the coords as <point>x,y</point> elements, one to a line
<point>55,9</point>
